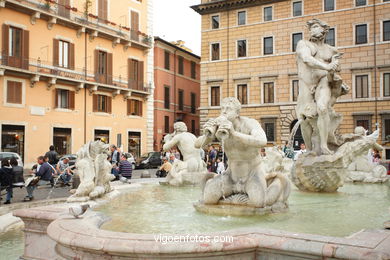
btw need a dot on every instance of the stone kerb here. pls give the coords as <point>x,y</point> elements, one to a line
<point>80,238</point>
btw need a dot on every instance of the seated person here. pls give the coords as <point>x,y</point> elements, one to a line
<point>64,172</point>
<point>165,168</point>
<point>45,173</point>
<point>18,180</point>
<point>125,168</point>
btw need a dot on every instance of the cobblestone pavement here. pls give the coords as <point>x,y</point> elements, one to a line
<point>42,192</point>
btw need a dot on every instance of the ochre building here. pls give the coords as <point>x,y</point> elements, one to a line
<point>248,51</point>
<point>75,71</point>
<point>177,89</point>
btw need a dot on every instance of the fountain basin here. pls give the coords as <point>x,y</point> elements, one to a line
<point>52,235</point>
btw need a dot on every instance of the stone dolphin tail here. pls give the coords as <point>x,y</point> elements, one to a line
<point>79,210</point>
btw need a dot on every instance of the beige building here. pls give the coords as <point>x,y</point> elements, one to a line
<point>75,71</point>
<point>248,51</point>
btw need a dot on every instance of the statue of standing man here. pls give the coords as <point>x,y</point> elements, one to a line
<point>319,88</point>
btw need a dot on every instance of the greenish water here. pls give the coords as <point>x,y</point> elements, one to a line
<point>159,209</point>
<point>11,244</point>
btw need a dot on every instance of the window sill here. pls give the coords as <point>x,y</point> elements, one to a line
<point>66,110</point>
<point>101,114</point>
<point>14,105</point>
<point>134,116</point>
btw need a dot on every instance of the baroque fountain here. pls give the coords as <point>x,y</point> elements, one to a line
<point>252,203</point>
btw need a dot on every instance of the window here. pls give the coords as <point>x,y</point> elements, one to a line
<point>166,97</point>
<point>62,140</point>
<point>63,54</point>
<point>297,8</point>
<point>102,62</point>
<point>215,22</point>
<point>215,51</point>
<point>242,93</point>
<point>360,2</point>
<point>134,143</point>
<point>134,25</point>
<point>101,103</point>
<point>181,100</point>
<point>193,128</point>
<point>241,48</point>
<point>241,18</point>
<point>361,85</point>
<point>15,42</point>
<point>166,124</point>
<point>386,84</point>
<point>14,92</point>
<point>63,9</point>
<point>102,10</point>
<point>181,65</point>
<point>328,5</point>
<point>134,107</point>
<point>364,121</point>
<point>136,74</point>
<point>102,135</point>
<point>64,99</point>
<point>268,13</point>
<point>386,127</point>
<point>193,103</point>
<point>269,129</point>
<point>361,34</point>
<point>268,92</point>
<point>386,30</point>
<point>214,96</point>
<point>193,69</point>
<point>295,90</point>
<point>330,37</point>
<point>387,151</point>
<point>296,37</point>
<point>268,45</point>
<point>166,60</point>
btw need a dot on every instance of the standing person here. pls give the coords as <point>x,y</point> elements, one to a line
<point>220,166</point>
<point>52,156</point>
<point>45,173</point>
<point>172,158</point>
<point>125,167</point>
<point>18,173</point>
<point>6,178</point>
<point>115,158</point>
<point>177,154</point>
<point>64,171</point>
<point>303,150</point>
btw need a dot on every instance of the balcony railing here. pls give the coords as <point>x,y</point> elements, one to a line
<point>46,68</point>
<point>81,19</point>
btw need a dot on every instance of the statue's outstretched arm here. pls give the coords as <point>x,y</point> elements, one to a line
<point>170,143</point>
<point>304,53</point>
<point>256,138</point>
<point>202,141</point>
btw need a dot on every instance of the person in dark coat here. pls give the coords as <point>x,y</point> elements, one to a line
<point>6,178</point>
<point>18,180</point>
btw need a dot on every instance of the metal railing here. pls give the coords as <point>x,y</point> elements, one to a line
<point>47,68</point>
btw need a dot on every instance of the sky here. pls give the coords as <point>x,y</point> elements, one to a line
<point>175,20</point>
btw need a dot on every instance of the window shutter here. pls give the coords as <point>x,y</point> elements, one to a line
<point>131,72</point>
<point>140,108</point>
<point>109,68</point>
<point>56,93</point>
<point>71,100</point>
<point>10,92</point>
<point>109,104</point>
<point>96,64</point>
<point>55,52</point>
<point>140,78</point>
<point>128,107</point>
<point>5,42</point>
<point>95,103</point>
<point>71,56</point>
<point>18,92</point>
<point>25,49</point>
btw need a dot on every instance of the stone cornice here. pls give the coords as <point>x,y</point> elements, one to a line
<point>223,5</point>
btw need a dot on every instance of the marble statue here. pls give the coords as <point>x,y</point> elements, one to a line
<point>276,161</point>
<point>323,168</point>
<point>363,169</point>
<point>192,169</point>
<point>244,182</point>
<point>319,87</point>
<point>94,171</point>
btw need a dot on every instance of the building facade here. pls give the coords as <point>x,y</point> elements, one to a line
<point>248,51</point>
<point>177,89</point>
<point>75,71</point>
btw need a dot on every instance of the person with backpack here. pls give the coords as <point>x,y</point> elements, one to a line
<point>52,155</point>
